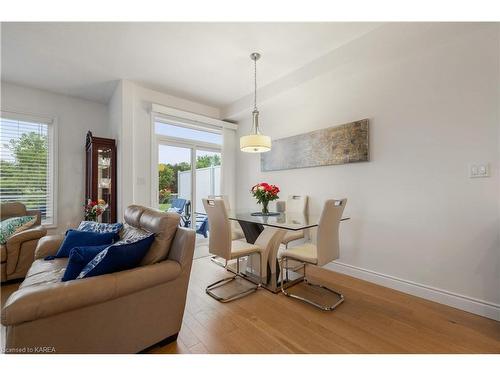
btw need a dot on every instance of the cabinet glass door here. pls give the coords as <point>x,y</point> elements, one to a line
<point>104,180</point>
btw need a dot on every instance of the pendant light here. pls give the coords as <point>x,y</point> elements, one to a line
<point>255,142</point>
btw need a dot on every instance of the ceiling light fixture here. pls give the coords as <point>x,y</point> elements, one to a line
<point>256,141</point>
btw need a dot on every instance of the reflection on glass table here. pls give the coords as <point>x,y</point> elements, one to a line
<point>258,229</point>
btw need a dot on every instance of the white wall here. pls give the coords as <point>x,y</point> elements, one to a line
<point>418,222</point>
<point>74,118</point>
<point>132,103</point>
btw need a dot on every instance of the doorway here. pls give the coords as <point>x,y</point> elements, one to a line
<point>188,169</point>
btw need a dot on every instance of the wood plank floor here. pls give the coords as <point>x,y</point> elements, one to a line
<point>373,319</point>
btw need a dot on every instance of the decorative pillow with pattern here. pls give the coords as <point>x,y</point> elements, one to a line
<point>94,226</point>
<point>120,256</point>
<point>130,232</point>
<point>13,225</point>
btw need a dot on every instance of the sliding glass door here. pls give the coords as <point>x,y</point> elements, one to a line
<point>188,169</point>
<point>174,180</point>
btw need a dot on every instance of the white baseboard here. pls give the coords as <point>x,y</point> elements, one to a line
<point>473,305</point>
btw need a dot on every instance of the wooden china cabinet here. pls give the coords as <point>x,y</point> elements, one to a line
<point>101,174</point>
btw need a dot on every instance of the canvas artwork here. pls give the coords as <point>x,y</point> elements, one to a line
<point>347,143</point>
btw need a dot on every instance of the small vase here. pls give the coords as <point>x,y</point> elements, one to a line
<point>265,210</point>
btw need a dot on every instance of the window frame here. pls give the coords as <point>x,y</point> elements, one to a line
<point>52,132</point>
<point>193,145</point>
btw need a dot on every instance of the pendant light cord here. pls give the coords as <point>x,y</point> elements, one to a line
<point>255,85</point>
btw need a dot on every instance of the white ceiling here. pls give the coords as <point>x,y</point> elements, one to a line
<point>205,62</point>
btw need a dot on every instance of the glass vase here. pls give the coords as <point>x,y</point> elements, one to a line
<point>265,209</point>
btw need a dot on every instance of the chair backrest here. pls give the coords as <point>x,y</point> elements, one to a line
<point>327,242</point>
<point>225,198</point>
<point>178,204</point>
<point>219,241</point>
<point>296,204</point>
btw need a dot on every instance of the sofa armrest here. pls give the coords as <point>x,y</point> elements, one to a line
<point>27,235</point>
<point>48,245</point>
<point>40,301</point>
<point>182,248</point>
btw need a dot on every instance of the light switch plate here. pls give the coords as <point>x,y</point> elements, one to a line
<point>477,170</point>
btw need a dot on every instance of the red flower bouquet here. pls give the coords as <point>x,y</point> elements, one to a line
<point>94,209</point>
<point>264,193</point>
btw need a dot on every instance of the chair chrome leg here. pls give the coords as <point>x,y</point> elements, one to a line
<point>322,307</point>
<point>214,259</point>
<point>209,289</point>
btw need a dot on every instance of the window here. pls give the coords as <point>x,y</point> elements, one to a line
<point>27,164</point>
<point>204,135</point>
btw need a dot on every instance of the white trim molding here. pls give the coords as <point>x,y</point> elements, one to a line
<point>189,117</point>
<point>473,305</point>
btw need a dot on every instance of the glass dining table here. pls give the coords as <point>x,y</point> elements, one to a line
<point>268,232</point>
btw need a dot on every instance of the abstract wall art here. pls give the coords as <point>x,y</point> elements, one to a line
<point>347,143</point>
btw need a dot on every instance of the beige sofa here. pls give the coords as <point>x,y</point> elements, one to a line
<point>122,312</point>
<point>17,254</point>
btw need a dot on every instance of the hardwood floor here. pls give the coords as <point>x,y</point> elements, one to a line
<point>373,319</point>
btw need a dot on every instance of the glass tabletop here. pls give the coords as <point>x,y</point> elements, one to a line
<point>289,221</point>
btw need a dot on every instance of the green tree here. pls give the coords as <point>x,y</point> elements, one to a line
<point>167,173</point>
<point>207,161</point>
<point>166,176</point>
<point>26,175</point>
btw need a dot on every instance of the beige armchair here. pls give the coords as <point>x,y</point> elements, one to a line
<point>18,253</point>
<point>121,312</point>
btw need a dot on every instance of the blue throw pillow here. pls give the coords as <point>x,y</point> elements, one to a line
<point>120,256</point>
<point>94,226</point>
<point>78,259</point>
<point>76,238</point>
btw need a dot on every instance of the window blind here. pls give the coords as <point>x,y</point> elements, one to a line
<point>26,165</point>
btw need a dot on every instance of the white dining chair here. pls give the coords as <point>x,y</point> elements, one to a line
<point>295,204</point>
<point>222,245</point>
<point>236,231</point>
<point>325,250</point>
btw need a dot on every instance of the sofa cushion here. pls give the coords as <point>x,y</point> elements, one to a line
<point>13,225</point>
<point>31,303</point>
<point>139,219</point>
<point>123,255</point>
<point>133,214</point>
<point>164,225</point>
<point>79,258</point>
<point>45,272</point>
<point>76,238</point>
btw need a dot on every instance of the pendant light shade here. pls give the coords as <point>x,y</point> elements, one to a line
<point>255,141</point>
